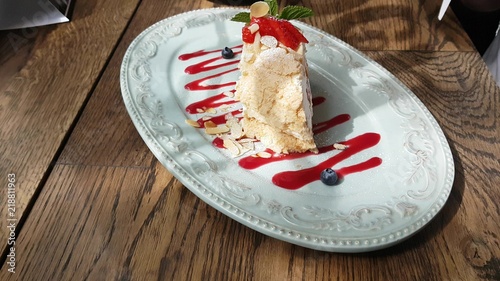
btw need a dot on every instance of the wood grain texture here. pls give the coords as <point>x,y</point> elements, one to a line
<point>468,110</point>
<point>47,79</point>
<point>110,211</point>
<point>107,138</point>
<point>389,25</point>
<point>105,134</point>
<point>142,224</point>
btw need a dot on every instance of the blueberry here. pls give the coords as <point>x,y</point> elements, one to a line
<point>227,53</point>
<point>329,176</point>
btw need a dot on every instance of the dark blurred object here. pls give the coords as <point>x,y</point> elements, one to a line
<point>480,26</point>
<point>64,6</point>
<point>16,14</point>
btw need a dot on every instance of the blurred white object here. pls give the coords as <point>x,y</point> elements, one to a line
<point>16,14</point>
<point>492,57</point>
<point>444,7</point>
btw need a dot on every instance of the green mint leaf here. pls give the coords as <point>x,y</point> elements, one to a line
<point>242,17</point>
<point>273,7</point>
<point>295,12</point>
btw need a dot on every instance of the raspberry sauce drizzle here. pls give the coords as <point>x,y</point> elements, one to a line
<point>297,179</point>
<point>204,65</point>
<point>318,100</point>
<point>337,120</point>
<point>197,85</point>
<point>370,163</point>
<point>250,162</point>
<point>201,53</point>
<point>210,102</point>
<point>287,179</point>
<point>218,142</point>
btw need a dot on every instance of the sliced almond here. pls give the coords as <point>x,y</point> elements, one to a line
<point>236,131</point>
<point>235,128</point>
<point>247,140</point>
<point>264,154</point>
<point>232,147</point>
<point>211,110</point>
<point>269,41</point>
<point>247,145</point>
<point>301,49</point>
<point>259,9</point>
<point>192,123</point>
<point>253,28</point>
<point>216,130</point>
<point>228,94</point>
<point>199,110</point>
<point>209,124</point>
<point>256,42</point>
<point>206,118</point>
<point>339,146</point>
<point>225,108</point>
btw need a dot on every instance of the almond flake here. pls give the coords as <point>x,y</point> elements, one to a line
<point>236,133</point>
<point>264,154</point>
<point>192,123</point>
<point>232,147</point>
<point>235,127</point>
<point>206,118</point>
<point>229,94</point>
<point>228,116</point>
<point>247,145</point>
<point>247,140</point>
<point>199,110</point>
<point>210,124</point>
<point>211,110</point>
<point>253,28</point>
<point>269,41</point>
<point>256,42</point>
<point>217,130</point>
<point>259,9</point>
<point>339,146</point>
<point>225,107</point>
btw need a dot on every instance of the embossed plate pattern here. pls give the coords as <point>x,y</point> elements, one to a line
<point>368,210</point>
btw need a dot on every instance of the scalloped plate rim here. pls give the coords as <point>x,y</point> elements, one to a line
<point>351,245</point>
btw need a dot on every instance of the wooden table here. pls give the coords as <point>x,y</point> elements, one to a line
<point>93,203</point>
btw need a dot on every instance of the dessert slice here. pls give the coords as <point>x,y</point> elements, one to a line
<point>274,85</point>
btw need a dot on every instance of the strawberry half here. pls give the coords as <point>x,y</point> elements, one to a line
<point>295,32</point>
<point>282,30</point>
<point>247,35</point>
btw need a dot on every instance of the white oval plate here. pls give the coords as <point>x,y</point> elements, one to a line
<point>368,210</point>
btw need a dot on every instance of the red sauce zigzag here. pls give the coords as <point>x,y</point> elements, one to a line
<point>286,179</point>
